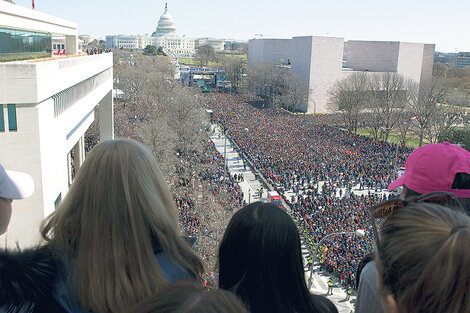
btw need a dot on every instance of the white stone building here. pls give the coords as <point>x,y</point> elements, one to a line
<point>46,105</point>
<point>321,61</point>
<point>165,36</point>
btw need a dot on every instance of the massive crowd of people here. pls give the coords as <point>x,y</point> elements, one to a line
<point>310,160</point>
<point>315,160</point>
<point>205,194</point>
<point>121,197</point>
<point>206,199</point>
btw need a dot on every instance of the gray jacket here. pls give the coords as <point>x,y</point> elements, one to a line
<point>368,298</point>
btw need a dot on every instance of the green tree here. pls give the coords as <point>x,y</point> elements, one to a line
<point>150,50</point>
<point>160,51</point>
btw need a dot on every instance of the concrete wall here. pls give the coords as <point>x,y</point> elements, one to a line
<point>318,61</point>
<point>43,138</point>
<point>255,51</point>
<point>302,60</point>
<point>374,56</point>
<point>325,70</point>
<point>44,79</point>
<point>19,151</point>
<point>410,60</point>
<point>275,51</point>
<point>428,63</point>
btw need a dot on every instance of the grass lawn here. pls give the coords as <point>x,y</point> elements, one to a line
<point>186,61</point>
<point>392,138</point>
<point>192,61</point>
<point>241,56</point>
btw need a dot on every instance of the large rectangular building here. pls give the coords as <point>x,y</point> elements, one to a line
<point>322,61</point>
<point>46,105</point>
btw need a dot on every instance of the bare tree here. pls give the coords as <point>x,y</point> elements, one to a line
<point>349,97</point>
<point>159,112</point>
<point>296,92</point>
<point>234,68</point>
<point>391,94</point>
<point>443,119</point>
<point>403,126</point>
<point>204,54</point>
<point>458,98</point>
<point>425,106</point>
<point>264,80</point>
<point>278,85</point>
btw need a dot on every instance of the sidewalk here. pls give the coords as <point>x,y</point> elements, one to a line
<point>320,287</point>
<point>249,187</point>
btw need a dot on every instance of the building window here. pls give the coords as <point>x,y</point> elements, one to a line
<point>57,200</point>
<point>11,116</point>
<point>20,45</point>
<point>2,121</point>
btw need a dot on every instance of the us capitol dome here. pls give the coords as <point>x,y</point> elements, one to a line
<point>165,26</point>
<point>165,36</point>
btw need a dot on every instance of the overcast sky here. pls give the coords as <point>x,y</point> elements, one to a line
<point>445,23</point>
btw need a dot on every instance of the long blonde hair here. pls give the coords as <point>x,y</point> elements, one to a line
<point>426,252</point>
<point>117,206</point>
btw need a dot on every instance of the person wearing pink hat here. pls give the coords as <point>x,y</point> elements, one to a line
<point>430,168</point>
<point>13,185</point>
<point>436,167</point>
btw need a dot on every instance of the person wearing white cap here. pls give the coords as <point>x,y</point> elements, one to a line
<point>26,275</point>
<point>13,185</point>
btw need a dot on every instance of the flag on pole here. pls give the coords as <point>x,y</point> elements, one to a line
<point>33,4</point>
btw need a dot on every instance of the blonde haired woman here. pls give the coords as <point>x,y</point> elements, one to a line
<point>423,255</point>
<point>116,232</point>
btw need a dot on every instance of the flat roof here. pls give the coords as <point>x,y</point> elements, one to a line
<point>17,17</point>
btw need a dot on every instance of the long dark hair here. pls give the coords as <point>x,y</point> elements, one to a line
<point>260,259</point>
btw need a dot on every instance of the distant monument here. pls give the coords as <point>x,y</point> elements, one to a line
<point>165,26</point>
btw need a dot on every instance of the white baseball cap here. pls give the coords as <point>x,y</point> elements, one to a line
<point>15,185</point>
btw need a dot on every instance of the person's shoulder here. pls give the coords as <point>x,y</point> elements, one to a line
<point>27,278</point>
<point>172,270</point>
<point>366,260</point>
<point>323,305</point>
<point>369,271</point>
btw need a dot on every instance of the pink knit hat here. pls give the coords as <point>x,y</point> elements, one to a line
<point>434,168</point>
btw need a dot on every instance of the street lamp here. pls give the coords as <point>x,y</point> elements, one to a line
<point>358,233</point>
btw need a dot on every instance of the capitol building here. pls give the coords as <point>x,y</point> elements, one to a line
<point>165,37</point>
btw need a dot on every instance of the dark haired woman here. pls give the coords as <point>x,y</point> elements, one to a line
<point>260,260</point>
